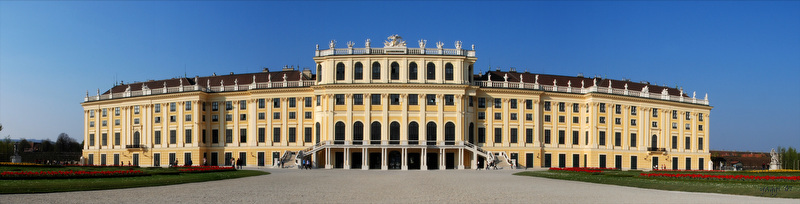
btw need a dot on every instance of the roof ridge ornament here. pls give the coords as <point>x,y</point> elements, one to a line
<point>394,41</point>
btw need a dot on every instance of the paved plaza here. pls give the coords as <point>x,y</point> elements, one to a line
<point>376,186</point>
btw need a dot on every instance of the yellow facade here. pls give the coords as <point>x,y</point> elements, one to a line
<point>410,108</point>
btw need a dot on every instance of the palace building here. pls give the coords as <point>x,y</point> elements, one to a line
<point>397,107</point>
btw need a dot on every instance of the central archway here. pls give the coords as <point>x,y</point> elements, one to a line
<point>394,160</point>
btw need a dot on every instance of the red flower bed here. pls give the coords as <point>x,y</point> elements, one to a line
<point>584,169</point>
<point>689,170</point>
<point>206,169</point>
<point>68,174</point>
<point>722,177</point>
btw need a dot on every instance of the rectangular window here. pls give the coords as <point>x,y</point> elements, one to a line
<point>262,103</point>
<point>618,109</point>
<point>546,118</point>
<point>91,139</point>
<point>394,99</point>
<point>529,116</point>
<point>117,138</point>
<point>413,99</point>
<point>528,104</point>
<point>243,135</point>
<point>375,100</point>
<point>700,117</point>
<point>688,115</point>
<point>699,143</point>
<point>135,110</point>
<point>481,115</point>
<point>214,118</point>
<point>674,125</point>
<point>498,103</point>
<point>214,136</point>
<point>688,126</point>
<point>655,124</point>
<point>307,102</point>
<point>104,139</point>
<point>228,135</point>
<point>173,136</point>
<point>562,106</point>
<point>204,135</point>
<point>214,106</point>
<point>575,135</point>
<point>498,116</point>
<point>633,140</point>
<point>561,137</point>
<point>292,134</point>
<point>481,135</point>
<point>633,122</point>
<point>513,135</point>
<point>547,136</point>
<point>91,113</point>
<point>449,100</point>
<point>430,99</point>
<point>105,112</point>
<point>308,115</point>
<point>498,135</point>
<point>157,137</point>
<point>188,117</point>
<point>307,134</point>
<point>358,99</point>
<point>172,119</point>
<point>481,102</point>
<point>262,116</point>
<point>561,119</point>
<point>576,108</point>
<point>261,134</point>
<point>116,122</point>
<point>513,103</point>
<point>172,107</point>
<point>529,135</point>
<point>674,114</point>
<point>276,102</point>
<point>471,103</point>
<point>276,115</point>
<point>513,116</point>
<point>618,139</point>
<point>602,120</point>
<point>188,105</point>
<point>602,107</point>
<point>688,143</point>
<point>655,112</point>
<point>700,127</point>
<point>617,121</point>
<point>242,104</point>
<point>156,108</point>
<point>229,117</point>
<point>187,136</point>
<point>105,123</point>
<point>292,115</point>
<point>116,111</point>
<point>292,102</point>
<point>601,138</point>
<point>242,116</point>
<point>319,100</point>
<point>276,134</point>
<point>575,120</point>
<point>91,123</point>
<point>674,142</point>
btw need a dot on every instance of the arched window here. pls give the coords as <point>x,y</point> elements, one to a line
<point>471,133</point>
<point>319,72</point>
<point>338,133</point>
<point>449,133</point>
<point>448,72</point>
<point>431,133</point>
<point>412,71</point>
<point>340,71</point>
<point>413,133</point>
<point>358,132</point>
<point>431,70</point>
<point>317,129</point>
<point>136,138</point>
<point>395,71</point>
<point>375,133</point>
<point>376,70</point>
<point>358,71</point>
<point>654,142</point>
<point>394,133</point>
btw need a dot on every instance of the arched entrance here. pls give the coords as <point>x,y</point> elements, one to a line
<point>394,160</point>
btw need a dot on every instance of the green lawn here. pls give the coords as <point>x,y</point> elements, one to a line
<point>160,177</point>
<point>782,189</point>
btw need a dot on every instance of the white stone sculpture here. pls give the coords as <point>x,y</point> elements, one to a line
<point>473,47</point>
<point>366,44</point>
<point>505,77</point>
<point>439,44</point>
<point>284,76</point>
<point>394,41</point>
<point>536,80</point>
<point>422,43</point>
<point>333,44</point>
<point>458,44</point>
<point>350,44</point>
<point>775,160</point>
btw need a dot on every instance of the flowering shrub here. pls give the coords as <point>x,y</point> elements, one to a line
<point>775,171</point>
<point>19,164</point>
<point>584,169</point>
<point>68,174</point>
<point>206,169</point>
<point>722,177</point>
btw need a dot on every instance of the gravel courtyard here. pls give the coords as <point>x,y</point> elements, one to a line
<point>375,186</point>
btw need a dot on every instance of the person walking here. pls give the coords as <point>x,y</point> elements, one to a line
<point>233,162</point>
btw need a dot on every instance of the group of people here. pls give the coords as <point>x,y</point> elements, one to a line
<point>237,163</point>
<point>305,164</point>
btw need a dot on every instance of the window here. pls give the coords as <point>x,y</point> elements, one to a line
<point>431,71</point>
<point>308,115</point>
<point>228,117</point>
<point>187,105</point>
<point>546,118</point>
<point>135,110</point>
<point>674,142</point>
<point>481,115</point>
<point>528,104</point>
<point>292,115</point>
<point>307,134</point>
<point>339,99</point>
<point>91,123</point>
<point>700,117</point>
<point>91,139</point>
<point>214,118</point>
<point>617,139</point>
<point>319,100</point>
<point>116,122</point>
<point>528,116</point>
<point>513,116</point>
<point>481,102</point>
<point>430,99</point>
<point>575,135</point>
<point>214,136</point>
<point>513,103</point>
<point>547,106</point>
<point>601,138</point>
<point>449,100</point>
<point>91,113</point>
<point>655,112</point>
<point>633,140</point>
<point>173,136</point>
<point>688,142</point>
<point>498,116</point>
<point>529,135</point>
<point>214,106</point>
<point>481,135</point>
<point>358,99</point>
<point>575,107</point>
<point>262,116</point>
<point>187,136</point>
<point>633,122</point>
<point>394,99</point>
<point>498,103</point>
<point>513,135</point>
<point>586,138</point>
<point>547,136</point>
<point>104,139</point>
<point>688,115</point>
<point>618,109</point>
<point>228,105</point>
<point>700,127</point>
<point>688,127</point>
<point>358,71</point>
<point>105,123</point>
<point>561,137</point>
<point>575,120</point>
<point>204,135</point>
<point>655,124</point>
<point>276,115</point>
<point>699,143</point>
<point>276,134</point>
<point>561,107</point>
<point>261,135</point>
<point>561,119</point>
<point>242,116</point>
<point>243,135</point>
<point>448,72</point>
<point>602,119</point>
<point>188,117</point>
<point>471,101</point>
<point>228,136</point>
<point>376,70</point>
<point>376,99</point>
<point>617,121</point>
<point>602,107</point>
<point>116,111</point>
<point>498,135</point>
<point>412,71</point>
<point>172,119</point>
<point>292,102</point>
<point>674,114</point>
<point>394,71</point>
<point>262,103</point>
<point>633,110</point>
<point>307,102</point>
<point>340,71</point>
<point>276,102</point>
<point>412,99</point>
<point>105,111</point>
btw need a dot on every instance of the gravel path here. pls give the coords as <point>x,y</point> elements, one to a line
<point>375,186</point>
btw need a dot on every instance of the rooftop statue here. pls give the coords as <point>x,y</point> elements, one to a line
<point>394,41</point>
<point>333,44</point>
<point>439,44</point>
<point>422,43</point>
<point>458,45</point>
<point>366,44</point>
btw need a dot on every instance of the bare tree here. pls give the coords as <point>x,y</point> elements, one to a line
<point>64,143</point>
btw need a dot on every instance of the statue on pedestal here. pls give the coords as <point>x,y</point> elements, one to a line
<point>775,161</point>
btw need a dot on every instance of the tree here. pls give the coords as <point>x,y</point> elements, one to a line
<point>64,143</point>
<point>23,144</point>
<point>789,157</point>
<point>47,146</point>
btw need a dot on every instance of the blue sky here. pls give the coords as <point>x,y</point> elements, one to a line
<point>745,55</point>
